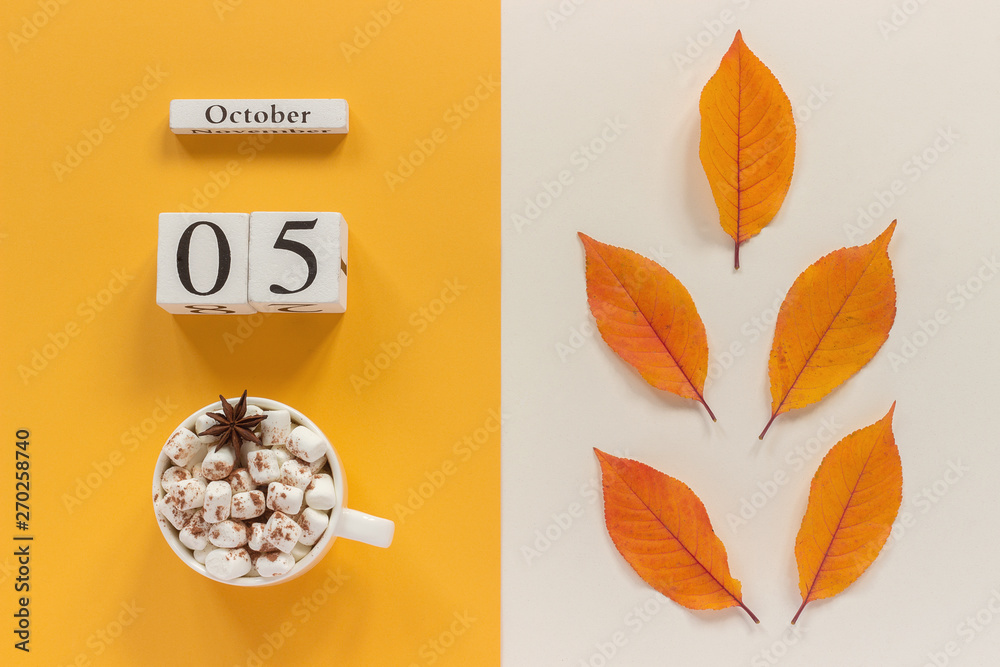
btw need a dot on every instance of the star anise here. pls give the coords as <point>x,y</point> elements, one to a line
<point>234,426</point>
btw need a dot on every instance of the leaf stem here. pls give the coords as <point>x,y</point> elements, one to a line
<point>710,413</point>
<point>750,613</point>
<point>803,606</point>
<point>761,436</point>
<point>737,255</point>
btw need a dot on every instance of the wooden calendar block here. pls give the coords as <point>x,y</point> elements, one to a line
<point>201,263</point>
<point>310,116</point>
<point>298,262</point>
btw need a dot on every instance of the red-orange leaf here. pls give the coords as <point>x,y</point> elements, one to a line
<point>662,529</point>
<point>747,142</point>
<point>853,501</point>
<point>833,320</point>
<point>648,318</point>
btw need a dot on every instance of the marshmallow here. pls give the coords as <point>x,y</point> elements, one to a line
<point>240,481</point>
<point>281,455</point>
<point>321,494</point>
<point>247,505</point>
<point>218,464</point>
<point>284,498</point>
<point>313,523</point>
<point>218,500</point>
<point>203,423</point>
<point>263,466</point>
<point>299,551</point>
<point>306,444</point>
<point>247,450</point>
<point>195,534</point>
<point>295,473</point>
<point>317,465</point>
<point>273,564</point>
<point>174,474</point>
<point>182,446</point>
<point>198,457</point>
<point>226,564</point>
<point>228,534</point>
<point>275,429</point>
<point>253,410</point>
<point>282,532</point>
<point>201,554</point>
<point>187,494</point>
<point>197,473</point>
<point>176,516</point>
<point>256,538</point>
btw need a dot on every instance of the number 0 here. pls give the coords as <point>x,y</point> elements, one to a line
<point>184,258</point>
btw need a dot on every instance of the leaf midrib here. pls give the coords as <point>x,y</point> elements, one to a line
<point>739,140</point>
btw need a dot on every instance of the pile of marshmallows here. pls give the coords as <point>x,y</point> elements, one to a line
<point>254,517</point>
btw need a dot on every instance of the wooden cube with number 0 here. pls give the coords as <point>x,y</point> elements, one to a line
<point>201,263</point>
<point>298,262</point>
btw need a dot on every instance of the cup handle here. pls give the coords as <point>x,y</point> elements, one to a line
<point>373,530</point>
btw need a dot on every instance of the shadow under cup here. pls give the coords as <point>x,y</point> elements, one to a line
<point>344,522</point>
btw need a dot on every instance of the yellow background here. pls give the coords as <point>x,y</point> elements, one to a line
<point>105,588</point>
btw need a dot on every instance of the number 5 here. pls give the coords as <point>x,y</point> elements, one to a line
<point>294,260</point>
<point>300,249</point>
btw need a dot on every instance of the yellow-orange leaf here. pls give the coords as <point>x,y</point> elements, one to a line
<point>747,142</point>
<point>853,501</point>
<point>662,529</point>
<point>648,318</point>
<point>833,320</point>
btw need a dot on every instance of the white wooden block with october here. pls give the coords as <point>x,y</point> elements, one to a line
<point>298,262</point>
<point>201,263</point>
<point>284,116</point>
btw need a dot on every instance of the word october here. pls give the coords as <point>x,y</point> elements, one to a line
<point>313,116</point>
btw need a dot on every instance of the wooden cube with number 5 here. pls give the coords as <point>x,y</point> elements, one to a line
<point>298,262</point>
<point>201,263</point>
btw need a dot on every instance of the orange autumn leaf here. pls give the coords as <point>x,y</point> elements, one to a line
<point>662,529</point>
<point>833,320</point>
<point>648,318</point>
<point>747,142</point>
<point>853,501</point>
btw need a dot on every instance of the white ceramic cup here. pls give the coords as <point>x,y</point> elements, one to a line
<point>344,522</point>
